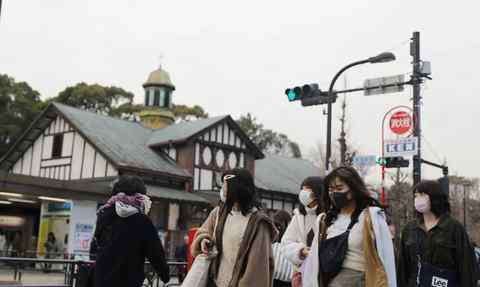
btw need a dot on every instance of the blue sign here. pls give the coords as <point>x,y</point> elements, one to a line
<point>59,206</point>
<point>365,160</point>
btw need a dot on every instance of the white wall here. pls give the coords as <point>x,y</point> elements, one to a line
<point>79,159</point>
<point>223,134</point>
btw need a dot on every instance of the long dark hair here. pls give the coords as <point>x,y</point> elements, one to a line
<point>358,189</point>
<point>439,203</point>
<point>316,184</point>
<point>241,189</point>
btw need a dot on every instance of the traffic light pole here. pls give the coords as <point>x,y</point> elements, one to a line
<point>416,81</point>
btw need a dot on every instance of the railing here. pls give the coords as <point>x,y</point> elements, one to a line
<point>74,271</point>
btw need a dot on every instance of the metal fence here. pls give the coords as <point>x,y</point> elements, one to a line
<point>74,272</point>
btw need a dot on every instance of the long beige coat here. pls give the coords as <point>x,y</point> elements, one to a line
<point>254,263</point>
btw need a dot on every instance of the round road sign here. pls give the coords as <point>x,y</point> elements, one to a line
<point>401,122</point>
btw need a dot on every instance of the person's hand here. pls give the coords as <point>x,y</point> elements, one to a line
<point>304,252</point>
<point>205,245</point>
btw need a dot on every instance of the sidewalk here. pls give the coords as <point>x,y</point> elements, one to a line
<point>38,277</point>
<point>30,277</point>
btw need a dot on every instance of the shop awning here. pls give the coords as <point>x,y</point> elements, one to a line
<point>36,186</point>
<point>174,194</point>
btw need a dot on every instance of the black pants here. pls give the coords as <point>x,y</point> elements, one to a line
<point>278,283</point>
<point>211,283</point>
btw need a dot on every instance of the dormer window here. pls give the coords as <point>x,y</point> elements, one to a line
<point>57,145</point>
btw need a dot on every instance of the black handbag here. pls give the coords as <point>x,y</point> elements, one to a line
<point>332,251</point>
<point>429,275</point>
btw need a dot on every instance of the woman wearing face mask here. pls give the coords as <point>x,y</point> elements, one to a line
<point>353,246</point>
<point>435,242</point>
<point>242,235</point>
<point>125,236</point>
<point>298,237</point>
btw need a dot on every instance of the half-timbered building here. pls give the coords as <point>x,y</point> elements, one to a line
<point>60,170</point>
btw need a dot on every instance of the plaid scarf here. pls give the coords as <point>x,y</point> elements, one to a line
<point>137,200</point>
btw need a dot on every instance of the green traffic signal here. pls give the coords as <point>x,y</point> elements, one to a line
<point>292,95</point>
<point>393,162</point>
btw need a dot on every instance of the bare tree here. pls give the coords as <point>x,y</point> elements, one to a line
<point>342,152</point>
<point>400,200</point>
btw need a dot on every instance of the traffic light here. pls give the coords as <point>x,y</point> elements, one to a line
<point>294,94</point>
<point>445,185</point>
<point>380,161</point>
<point>395,162</point>
<point>309,95</point>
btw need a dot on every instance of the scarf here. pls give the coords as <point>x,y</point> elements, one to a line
<point>126,205</point>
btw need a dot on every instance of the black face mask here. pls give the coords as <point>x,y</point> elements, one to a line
<point>340,199</point>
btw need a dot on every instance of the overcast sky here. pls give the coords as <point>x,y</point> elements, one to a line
<point>234,57</point>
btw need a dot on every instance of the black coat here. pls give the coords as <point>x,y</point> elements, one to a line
<point>120,247</point>
<point>445,246</point>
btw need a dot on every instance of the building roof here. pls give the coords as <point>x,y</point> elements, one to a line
<point>173,194</point>
<point>123,142</point>
<point>283,174</point>
<point>159,77</point>
<point>182,131</point>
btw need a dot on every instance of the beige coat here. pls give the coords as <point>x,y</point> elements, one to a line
<point>254,263</point>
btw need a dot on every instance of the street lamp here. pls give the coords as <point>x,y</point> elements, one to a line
<point>380,58</point>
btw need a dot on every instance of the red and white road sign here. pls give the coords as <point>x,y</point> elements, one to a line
<point>401,122</point>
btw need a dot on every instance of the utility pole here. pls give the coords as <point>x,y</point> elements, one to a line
<point>464,206</point>
<point>416,81</point>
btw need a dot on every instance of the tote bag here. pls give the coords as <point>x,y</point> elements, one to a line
<point>198,274</point>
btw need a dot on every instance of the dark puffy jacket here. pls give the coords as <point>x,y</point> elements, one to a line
<point>120,247</point>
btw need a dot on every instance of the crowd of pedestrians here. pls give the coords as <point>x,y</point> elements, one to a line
<point>337,237</point>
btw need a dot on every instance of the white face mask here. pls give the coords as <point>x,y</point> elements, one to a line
<point>305,197</point>
<point>223,196</point>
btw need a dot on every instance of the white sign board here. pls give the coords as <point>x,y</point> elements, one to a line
<point>401,147</point>
<point>82,236</point>
<point>382,82</point>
